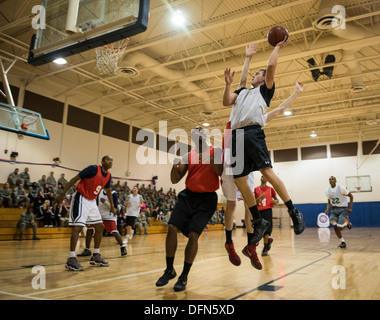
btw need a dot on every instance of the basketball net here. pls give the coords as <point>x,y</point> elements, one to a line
<point>107,57</point>
<point>358,189</point>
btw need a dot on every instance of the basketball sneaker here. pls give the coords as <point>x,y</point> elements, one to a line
<point>342,245</point>
<point>123,251</point>
<point>232,255</point>
<point>181,283</point>
<point>250,252</point>
<point>168,275</point>
<point>96,260</point>
<point>298,223</point>
<point>259,228</point>
<point>73,264</point>
<point>267,247</point>
<point>85,253</point>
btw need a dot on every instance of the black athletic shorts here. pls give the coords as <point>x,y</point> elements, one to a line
<point>193,211</point>
<point>130,221</point>
<point>268,216</point>
<point>254,156</point>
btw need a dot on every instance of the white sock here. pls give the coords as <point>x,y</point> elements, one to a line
<point>72,254</point>
<point>341,239</point>
<point>96,251</point>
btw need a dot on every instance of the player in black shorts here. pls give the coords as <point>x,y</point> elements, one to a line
<point>248,115</point>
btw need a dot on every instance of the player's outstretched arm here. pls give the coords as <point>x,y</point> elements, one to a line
<point>59,198</point>
<point>179,169</point>
<point>272,63</point>
<point>287,103</point>
<point>249,52</point>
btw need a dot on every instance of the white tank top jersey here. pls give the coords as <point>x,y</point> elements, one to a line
<point>104,211</point>
<point>337,196</point>
<point>249,109</point>
<point>134,209</point>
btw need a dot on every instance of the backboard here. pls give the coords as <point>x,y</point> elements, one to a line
<point>74,26</point>
<point>22,121</point>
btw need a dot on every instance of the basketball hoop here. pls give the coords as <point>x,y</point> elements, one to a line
<point>107,57</point>
<point>358,189</point>
<point>28,120</point>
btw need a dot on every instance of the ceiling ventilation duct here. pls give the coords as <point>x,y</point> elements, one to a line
<point>131,60</point>
<point>326,19</point>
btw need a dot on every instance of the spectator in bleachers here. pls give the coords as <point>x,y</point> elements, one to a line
<point>34,191</point>
<point>61,215</point>
<point>25,178</point>
<point>20,197</point>
<point>42,182</point>
<point>51,180</point>
<point>62,180</point>
<point>46,214</point>
<point>27,221</point>
<point>6,196</point>
<point>165,219</point>
<point>142,222</point>
<point>14,178</point>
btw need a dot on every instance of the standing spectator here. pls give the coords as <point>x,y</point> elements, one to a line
<point>27,221</point>
<point>134,201</point>
<point>14,178</point>
<point>25,178</point>
<point>20,196</point>
<point>51,180</point>
<point>6,196</point>
<point>62,180</point>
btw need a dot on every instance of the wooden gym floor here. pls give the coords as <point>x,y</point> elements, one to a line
<point>298,267</point>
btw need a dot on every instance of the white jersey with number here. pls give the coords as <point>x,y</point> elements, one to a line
<point>134,208</point>
<point>337,196</point>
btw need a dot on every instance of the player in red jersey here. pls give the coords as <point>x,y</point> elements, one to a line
<point>83,208</point>
<point>265,206</point>
<point>195,205</point>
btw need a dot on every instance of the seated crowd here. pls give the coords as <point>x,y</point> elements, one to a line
<point>20,192</point>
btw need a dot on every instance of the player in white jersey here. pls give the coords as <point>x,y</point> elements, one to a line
<point>337,202</point>
<point>133,204</point>
<point>109,222</point>
<point>247,118</point>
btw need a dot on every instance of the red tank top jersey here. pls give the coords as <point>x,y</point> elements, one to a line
<point>265,203</point>
<point>90,188</point>
<point>201,177</point>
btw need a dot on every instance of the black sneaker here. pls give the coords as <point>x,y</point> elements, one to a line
<point>73,264</point>
<point>298,223</point>
<point>259,228</point>
<point>349,225</point>
<point>168,275</point>
<point>123,250</point>
<point>96,260</point>
<point>85,253</point>
<point>342,245</point>
<point>181,283</point>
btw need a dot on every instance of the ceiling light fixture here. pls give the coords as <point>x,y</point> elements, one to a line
<point>60,61</point>
<point>178,18</point>
<point>313,134</point>
<point>288,113</point>
<point>206,124</point>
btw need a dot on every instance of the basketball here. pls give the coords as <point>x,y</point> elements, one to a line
<point>276,35</point>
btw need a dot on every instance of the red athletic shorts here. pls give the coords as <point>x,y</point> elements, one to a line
<point>110,226</point>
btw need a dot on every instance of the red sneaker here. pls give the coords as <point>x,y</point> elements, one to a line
<point>250,252</point>
<point>232,255</point>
